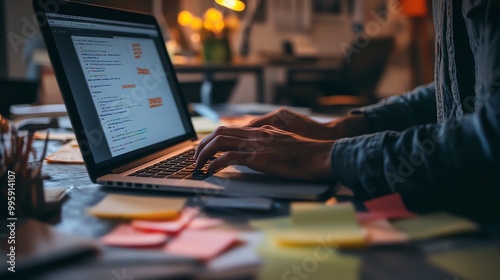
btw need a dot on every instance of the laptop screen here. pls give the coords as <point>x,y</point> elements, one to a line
<point>124,95</point>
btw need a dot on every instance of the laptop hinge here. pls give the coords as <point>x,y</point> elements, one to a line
<point>151,157</point>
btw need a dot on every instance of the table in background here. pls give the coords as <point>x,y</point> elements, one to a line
<point>238,65</point>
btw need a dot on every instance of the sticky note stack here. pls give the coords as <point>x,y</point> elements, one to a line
<point>312,263</point>
<point>164,223</point>
<point>116,206</point>
<point>302,246</point>
<point>306,244</point>
<point>313,224</point>
<point>128,236</point>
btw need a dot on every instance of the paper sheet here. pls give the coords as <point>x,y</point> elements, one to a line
<point>54,194</point>
<point>138,207</point>
<point>316,224</point>
<point>201,244</point>
<point>434,225</point>
<point>478,263</point>
<point>66,154</point>
<point>390,206</point>
<point>127,236</point>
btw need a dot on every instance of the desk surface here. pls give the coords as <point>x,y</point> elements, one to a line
<point>390,262</point>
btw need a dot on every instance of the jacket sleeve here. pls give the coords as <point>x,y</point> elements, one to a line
<point>400,112</point>
<point>455,163</point>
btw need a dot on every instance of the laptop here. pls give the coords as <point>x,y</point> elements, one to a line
<point>128,112</point>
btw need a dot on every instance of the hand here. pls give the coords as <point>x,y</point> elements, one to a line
<point>349,126</point>
<point>287,120</point>
<point>268,149</point>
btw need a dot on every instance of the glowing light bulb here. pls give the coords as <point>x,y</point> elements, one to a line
<point>219,26</point>
<point>197,23</point>
<point>184,18</point>
<point>213,15</point>
<point>235,5</point>
<point>208,24</point>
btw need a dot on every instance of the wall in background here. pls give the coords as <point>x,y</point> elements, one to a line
<point>3,44</point>
<point>324,37</point>
<point>18,22</point>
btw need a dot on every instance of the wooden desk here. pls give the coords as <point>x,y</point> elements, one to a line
<point>405,261</point>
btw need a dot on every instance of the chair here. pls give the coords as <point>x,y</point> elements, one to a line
<point>360,77</point>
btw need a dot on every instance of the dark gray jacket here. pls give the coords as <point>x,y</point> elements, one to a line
<point>438,145</point>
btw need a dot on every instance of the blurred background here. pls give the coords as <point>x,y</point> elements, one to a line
<point>325,55</point>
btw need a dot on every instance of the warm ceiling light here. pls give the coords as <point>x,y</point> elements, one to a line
<point>184,18</point>
<point>197,23</point>
<point>235,5</point>
<point>213,15</point>
<point>219,26</point>
<point>208,24</point>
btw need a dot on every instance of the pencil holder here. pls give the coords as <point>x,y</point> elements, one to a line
<point>21,183</point>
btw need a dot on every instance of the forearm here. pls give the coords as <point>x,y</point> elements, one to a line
<point>453,160</point>
<point>398,113</point>
<point>348,126</point>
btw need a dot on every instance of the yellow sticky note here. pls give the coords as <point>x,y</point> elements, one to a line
<point>314,263</point>
<point>318,214</point>
<point>434,225</point>
<point>479,263</point>
<point>138,207</point>
<point>316,224</point>
<point>272,223</point>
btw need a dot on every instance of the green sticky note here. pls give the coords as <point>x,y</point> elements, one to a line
<point>315,224</point>
<point>434,225</point>
<point>480,263</point>
<point>312,263</point>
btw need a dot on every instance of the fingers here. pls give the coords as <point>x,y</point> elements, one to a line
<point>243,132</point>
<point>219,143</point>
<point>233,158</point>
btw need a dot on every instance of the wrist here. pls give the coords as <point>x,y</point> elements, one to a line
<point>324,162</point>
<point>350,126</point>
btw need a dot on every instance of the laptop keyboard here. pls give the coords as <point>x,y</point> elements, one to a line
<point>178,167</point>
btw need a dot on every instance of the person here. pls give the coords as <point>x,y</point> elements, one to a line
<point>438,145</point>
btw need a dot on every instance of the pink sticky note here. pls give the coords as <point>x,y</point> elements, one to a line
<point>382,232</point>
<point>201,244</point>
<point>188,214</point>
<point>369,216</point>
<point>127,236</point>
<point>204,223</point>
<point>390,206</point>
